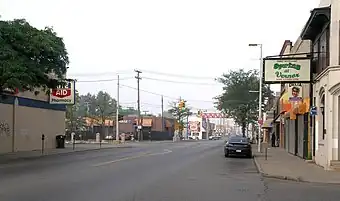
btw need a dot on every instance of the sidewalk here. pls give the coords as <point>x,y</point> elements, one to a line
<point>80,146</point>
<point>282,165</point>
<point>8,157</point>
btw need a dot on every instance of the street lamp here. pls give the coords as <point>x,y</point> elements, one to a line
<point>260,95</point>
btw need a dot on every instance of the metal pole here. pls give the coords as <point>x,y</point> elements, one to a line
<point>138,103</point>
<point>42,144</point>
<point>74,142</point>
<point>162,103</point>
<point>187,137</point>
<point>117,111</point>
<point>179,120</point>
<point>260,99</point>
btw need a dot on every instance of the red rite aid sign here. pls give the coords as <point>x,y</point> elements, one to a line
<point>65,95</point>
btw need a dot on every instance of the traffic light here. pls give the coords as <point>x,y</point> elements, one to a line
<point>181,105</point>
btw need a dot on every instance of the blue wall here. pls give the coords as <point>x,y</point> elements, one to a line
<point>27,102</point>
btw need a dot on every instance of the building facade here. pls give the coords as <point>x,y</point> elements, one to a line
<point>198,127</point>
<point>291,115</point>
<point>25,117</point>
<point>318,114</point>
<point>323,30</point>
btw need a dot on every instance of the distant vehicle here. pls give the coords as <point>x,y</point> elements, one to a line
<point>237,145</point>
<point>214,137</point>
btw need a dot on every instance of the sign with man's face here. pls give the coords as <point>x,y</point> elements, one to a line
<point>295,92</point>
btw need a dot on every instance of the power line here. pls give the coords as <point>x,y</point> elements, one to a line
<point>148,78</point>
<point>180,82</point>
<point>159,106</point>
<point>178,75</point>
<point>99,74</point>
<point>169,97</point>
<point>145,71</point>
<point>105,80</point>
<point>158,94</point>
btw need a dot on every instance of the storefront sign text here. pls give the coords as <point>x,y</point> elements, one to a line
<point>283,70</point>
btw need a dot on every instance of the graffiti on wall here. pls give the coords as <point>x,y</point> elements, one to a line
<point>4,129</point>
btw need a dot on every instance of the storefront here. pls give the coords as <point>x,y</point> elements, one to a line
<point>322,29</point>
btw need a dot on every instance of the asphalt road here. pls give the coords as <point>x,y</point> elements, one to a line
<point>188,171</point>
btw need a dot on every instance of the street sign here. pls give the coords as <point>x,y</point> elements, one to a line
<point>313,111</point>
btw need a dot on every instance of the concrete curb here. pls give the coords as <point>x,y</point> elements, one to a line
<point>288,178</point>
<point>281,177</point>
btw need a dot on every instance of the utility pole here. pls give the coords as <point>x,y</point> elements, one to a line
<point>259,149</point>
<point>180,131</point>
<point>117,111</point>
<point>162,104</point>
<point>139,126</point>
<point>145,112</point>
<point>260,118</point>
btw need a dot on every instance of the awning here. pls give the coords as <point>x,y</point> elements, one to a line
<point>147,122</point>
<point>268,123</point>
<point>318,18</point>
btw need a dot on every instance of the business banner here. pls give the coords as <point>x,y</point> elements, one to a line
<point>283,70</point>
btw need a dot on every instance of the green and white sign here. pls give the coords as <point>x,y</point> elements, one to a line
<point>286,70</point>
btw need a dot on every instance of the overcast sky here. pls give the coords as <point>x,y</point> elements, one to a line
<point>195,40</point>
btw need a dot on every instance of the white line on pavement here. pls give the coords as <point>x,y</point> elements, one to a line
<point>166,151</point>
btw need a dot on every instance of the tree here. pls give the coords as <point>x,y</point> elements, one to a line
<point>237,101</point>
<point>74,121</point>
<point>179,114</point>
<point>87,105</point>
<point>30,58</point>
<point>127,111</point>
<point>106,106</point>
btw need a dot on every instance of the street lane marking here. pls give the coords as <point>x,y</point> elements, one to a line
<point>166,151</point>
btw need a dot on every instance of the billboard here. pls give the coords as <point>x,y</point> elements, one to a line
<point>281,70</point>
<point>64,95</point>
<point>195,126</point>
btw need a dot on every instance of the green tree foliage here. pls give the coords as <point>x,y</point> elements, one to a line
<point>28,57</point>
<point>179,114</point>
<point>127,111</point>
<point>100,107</point>
<point>87,105</point>
<point>236,100</point>
<point>75,122</point>
<point>105,106</point>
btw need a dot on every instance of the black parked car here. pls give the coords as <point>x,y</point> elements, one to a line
<point>237,145</point>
